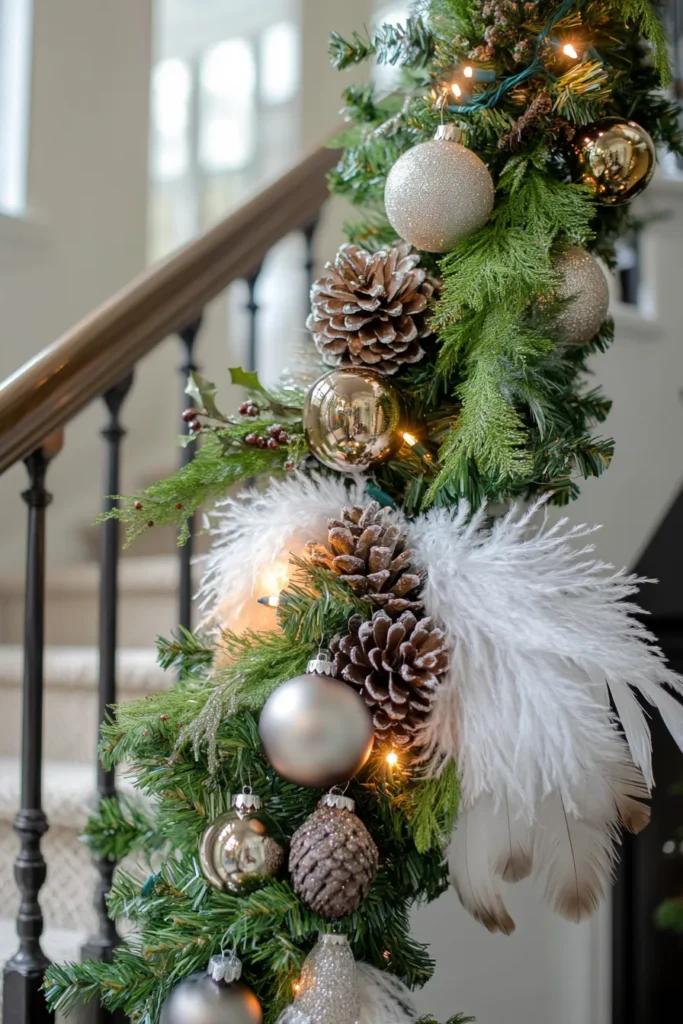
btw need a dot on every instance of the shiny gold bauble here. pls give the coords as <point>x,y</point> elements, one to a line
<point>616,158</point>
<point>352,419</point>
<point>237,852</point>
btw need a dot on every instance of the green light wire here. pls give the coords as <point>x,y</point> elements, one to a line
<point>492,96</point>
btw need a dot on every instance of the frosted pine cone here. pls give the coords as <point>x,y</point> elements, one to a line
<point>370,309</point>
<point>396,666</point>
<point>369,552</point>
<point>332,860</point>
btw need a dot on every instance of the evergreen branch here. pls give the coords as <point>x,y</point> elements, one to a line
<point>118,828</point>
<point>644,13</point>
<point>317,604</point>
<point>434,808</point>
<point>410,44</point>
<point>185,651</point>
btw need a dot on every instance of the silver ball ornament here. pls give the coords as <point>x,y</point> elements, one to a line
<point>237,853</point>
<point>212,998</point>
<point>316,731</point>
<point>586,293</point>
<point>352,419</point>
<point>438,192</point>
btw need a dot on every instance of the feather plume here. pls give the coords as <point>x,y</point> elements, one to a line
<point>384,999</point>
<point>255,535</point>
<point>539,632</point>
<point>476,852</point>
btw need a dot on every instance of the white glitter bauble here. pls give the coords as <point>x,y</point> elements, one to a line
<point>438,192</point>
<point>327,991</point>
<point>585,289</point>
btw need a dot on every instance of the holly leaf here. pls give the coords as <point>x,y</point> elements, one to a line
<point>247,379</point>
<point>203,394</point>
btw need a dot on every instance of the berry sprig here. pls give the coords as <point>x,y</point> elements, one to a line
<point>275,437</point>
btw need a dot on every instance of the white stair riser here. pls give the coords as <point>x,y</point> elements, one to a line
<point>70,722</point>
<point>71,617</point>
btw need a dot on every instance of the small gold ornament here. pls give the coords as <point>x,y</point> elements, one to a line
<point>237,853</point>
<point>438,192</point>
<point>616,158</point>
<point>352,419</point>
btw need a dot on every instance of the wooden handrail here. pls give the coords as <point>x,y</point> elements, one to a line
<point>99,351</point>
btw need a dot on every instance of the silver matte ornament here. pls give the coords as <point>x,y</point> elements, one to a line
<point>585,289</point>
<point>327,990</point>
<point>438,192</point>
<point>237,853</point>
<point>352,419</point>
<point>316,731</point>
<point>214,997</point>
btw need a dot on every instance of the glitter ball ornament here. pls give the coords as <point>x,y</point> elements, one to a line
<point>616,158</point>
<point>214,997</point>
<point>586,294</point>
<point>352,419</point>
<point>333,858</point>
<point>316,731</point>
<point>327,990</point>
<point>438,191</point>
<point>237,852</point>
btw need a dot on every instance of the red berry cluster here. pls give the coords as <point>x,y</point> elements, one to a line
<point>275,437</point>
<point>190,417</point>
<point>248,409</point>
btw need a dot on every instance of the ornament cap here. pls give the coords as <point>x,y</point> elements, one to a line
<point>225,967</point>
<point>338,801</point>
<point>448,133</point>
<point>247,801</point>
<point>333,939</point>
<point>321,665</point>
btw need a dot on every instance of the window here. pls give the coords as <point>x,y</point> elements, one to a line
<point>15,66</point>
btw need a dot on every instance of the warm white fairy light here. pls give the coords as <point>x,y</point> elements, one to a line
<point>569,51</point>
<point>468,72</point>
<point>456,90</point>
<point>392,758</point>
<point>409,439</point>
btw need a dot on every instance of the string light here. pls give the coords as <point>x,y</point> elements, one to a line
<point>392,758</point>
<point>456,90</point>
<point>418,448</point>
<point>569,51</point>
<point>468,72</point>
<point>271,602</point>
<point>296,988</point>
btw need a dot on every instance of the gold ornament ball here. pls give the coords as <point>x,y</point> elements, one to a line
<point>586,293</point>
<point>438,192</point>
<point>352,419</point>
<point>616,158</point>
<point>237,853</point>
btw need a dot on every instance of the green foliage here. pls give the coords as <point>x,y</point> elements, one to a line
<point>118,828</point>
<point>434,809</point>
<point>410,44</point>
<point>669,916</point>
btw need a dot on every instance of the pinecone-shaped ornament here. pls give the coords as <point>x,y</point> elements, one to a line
<point>333,858</point>
<point>369,552</point>
<point>396,666</point>
<point>371,309</point>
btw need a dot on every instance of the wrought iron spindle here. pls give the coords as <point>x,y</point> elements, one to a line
<point>23,1000</point>
<point>101,945</point>
<point>188,337</point>
<point>308,233</point>
<point>252,308</point>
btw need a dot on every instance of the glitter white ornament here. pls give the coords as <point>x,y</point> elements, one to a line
<point>437,192</point>
<point>327,991</point>
<point>585,289</point>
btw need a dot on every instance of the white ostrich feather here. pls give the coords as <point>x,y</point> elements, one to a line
<point>384,999</point>
<point>255,534</point>
<point>539,633</point>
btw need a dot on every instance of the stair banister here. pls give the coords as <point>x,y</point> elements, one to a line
<point>95,360</point>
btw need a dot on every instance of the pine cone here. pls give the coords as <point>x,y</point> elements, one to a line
<point>332,861</point>
<point>370,309</point>
<point>396,666</point>
<point>369,552</point>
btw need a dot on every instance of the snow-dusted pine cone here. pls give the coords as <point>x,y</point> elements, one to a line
<point>396,666</point>
<point>332,859</point>
<point>369,552</point>
<point>371,309</point>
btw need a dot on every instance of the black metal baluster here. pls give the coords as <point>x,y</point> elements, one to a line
<point>309,262</point>
<point>252,308</point>
<point>101,945</point>
<point>23,1000</point>
<point>188,337</point>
